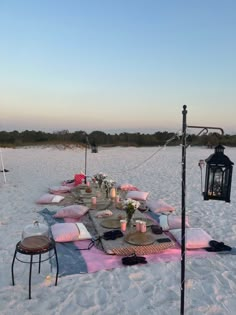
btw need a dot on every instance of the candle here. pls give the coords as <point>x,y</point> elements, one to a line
<point>123,224</point>
<point>98,194</point>
<point>93,201</point>
<point>143,227</point>
<point>138,225</point>
<point>113,192</point>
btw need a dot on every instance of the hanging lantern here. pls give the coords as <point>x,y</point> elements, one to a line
<point>218,179</point>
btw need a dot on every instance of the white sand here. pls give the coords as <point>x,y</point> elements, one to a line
<point>143,289</point>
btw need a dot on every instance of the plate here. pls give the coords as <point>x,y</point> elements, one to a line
<point>140,239</point>
<point>111,223</point>
<point>149,222</point>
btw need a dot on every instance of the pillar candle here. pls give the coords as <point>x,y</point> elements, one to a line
<point>93,201</point>
<point>113,192</point>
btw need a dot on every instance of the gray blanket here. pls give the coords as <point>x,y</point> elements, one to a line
<point>69,256</point>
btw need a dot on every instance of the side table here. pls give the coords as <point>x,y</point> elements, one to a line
<point>35,246</point>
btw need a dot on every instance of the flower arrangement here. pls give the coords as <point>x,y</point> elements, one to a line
<point>99,177</point>
<point>108,184</point>
<point>130,205</point>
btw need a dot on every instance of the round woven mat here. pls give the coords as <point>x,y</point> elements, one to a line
<point>34,243</point>
<point>111,223</point>
<point>138,238</point>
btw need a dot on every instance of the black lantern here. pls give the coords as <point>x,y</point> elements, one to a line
<point>219,170</point>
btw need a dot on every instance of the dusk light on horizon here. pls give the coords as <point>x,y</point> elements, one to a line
<point>127,65</point>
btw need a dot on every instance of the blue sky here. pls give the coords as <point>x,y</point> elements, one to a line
<point>118,65</point>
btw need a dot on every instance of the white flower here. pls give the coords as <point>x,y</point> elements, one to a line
<point>109,183</point>
<point>130,203</point>
<point>100,176</point>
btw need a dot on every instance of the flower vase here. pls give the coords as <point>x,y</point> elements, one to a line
<point>100,184</point>
<point>129,216</point>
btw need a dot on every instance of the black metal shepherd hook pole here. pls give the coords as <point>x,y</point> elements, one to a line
<point>184,146</point>
<point>184,112</point>
<point>85,158</point>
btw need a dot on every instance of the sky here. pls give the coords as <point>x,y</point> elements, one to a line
<point>117,65</point>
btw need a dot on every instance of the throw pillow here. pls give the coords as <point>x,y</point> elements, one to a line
<point>59,189</point>
<point>128,187</point>
<point>69,232</point>
<point>137,195</point>
<point>159,206</point>
<point>194,237</point>
<point>49,198</point>
<point>73,211</point>
<point>169,222</point>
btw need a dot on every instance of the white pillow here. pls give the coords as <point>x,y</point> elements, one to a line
<point>137,195</point>
<point>84,233</point>
<point>159,206</point>
<point>169,222</point>
<point>69,232</point>
<point>57,199</point>
<point>194,237</point>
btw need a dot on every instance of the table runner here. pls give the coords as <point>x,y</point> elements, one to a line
<point>119,246</point>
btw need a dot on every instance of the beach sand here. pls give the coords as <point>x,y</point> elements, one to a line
<point>140,289</point>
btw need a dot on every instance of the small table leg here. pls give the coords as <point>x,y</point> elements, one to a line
<point>55,251</point>
<point>30,273</point>
<point>39,263</point>
<point>12,268</point>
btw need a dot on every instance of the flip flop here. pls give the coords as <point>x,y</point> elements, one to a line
<point>217,246</point>
<point>133,260</point>
<point>112,235</point>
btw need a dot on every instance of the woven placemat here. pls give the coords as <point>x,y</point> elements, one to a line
<point>140,239</point>
<point>33,243</point>
<point>143,250</point>
<point>110,223</point>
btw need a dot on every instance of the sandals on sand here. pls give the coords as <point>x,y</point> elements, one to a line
<point>218,247</point>
<point>133,260</point>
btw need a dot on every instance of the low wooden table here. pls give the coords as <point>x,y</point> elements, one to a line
<point>126,245</point>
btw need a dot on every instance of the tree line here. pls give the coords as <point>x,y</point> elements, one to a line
<point>100,138</point>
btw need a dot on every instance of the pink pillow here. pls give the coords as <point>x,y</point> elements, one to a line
<point>137,195</point>
<point>59,189</point>
<point>168,222</point>
<point>159,206</point>
<point>127,187</point>
<point>71,185</point>
<point>69,232</point>
<point>73,211</point>
<point>194,237</point>
<point>49,198</point>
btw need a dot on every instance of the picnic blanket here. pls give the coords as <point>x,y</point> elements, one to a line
<point>72,260</point>
<point>69,257</point>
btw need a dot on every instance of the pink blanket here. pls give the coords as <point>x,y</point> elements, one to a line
<point>97,260</point>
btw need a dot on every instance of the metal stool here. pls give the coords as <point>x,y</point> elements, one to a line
<point>31,246</point>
